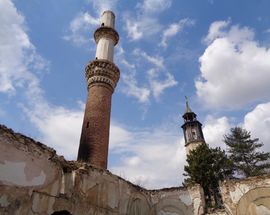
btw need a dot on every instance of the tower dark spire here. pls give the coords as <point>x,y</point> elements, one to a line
<point>188,109</point>
<point>192,129</point>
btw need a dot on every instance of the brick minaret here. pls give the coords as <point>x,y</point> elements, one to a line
<point>102,76</point>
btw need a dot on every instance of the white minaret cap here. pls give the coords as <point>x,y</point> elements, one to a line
<point>106,37</point>
<point>107,19</point>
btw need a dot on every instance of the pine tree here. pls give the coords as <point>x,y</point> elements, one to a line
<point>243,151</point>
<point>207,167</point>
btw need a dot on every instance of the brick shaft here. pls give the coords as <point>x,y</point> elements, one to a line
<point>96,126</point>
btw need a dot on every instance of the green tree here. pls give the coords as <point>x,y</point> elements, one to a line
<point>206,166</point>
<point>243,151</point>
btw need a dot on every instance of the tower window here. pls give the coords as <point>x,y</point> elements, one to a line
<point>194,135</point>
<point>87,125</point>
<point>102,24</point>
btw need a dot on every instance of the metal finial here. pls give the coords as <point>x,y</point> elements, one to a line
<point>188,109</point>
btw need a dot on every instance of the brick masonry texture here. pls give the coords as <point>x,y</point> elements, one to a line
<point>96,126</point>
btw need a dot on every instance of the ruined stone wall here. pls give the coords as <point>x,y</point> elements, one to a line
<point>247,197</point>
<point>34,180</point>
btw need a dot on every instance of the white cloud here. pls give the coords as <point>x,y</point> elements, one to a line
<point>18,61</point>
<point>84,23</point>
<point>59,127</point>
<point>141,27</point>
<point>145,23</point>
<point>158,85</point>
<point>133,30</point>
<point>214,130</point>
<point>131,88</point>
<point>215,31</point>
<point>173,29</point>
<point>157,61</point>
<point>17,53</point>
<point>101,6</point>
<point>80,27</point>
<point>159,79</point>
<point>258,123</point>
<point>153,158</point>
<point>154,6</point>
<point>119,136</point>
<point>235,69</point>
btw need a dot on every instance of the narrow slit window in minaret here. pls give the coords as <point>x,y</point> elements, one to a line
<point>87,125</point>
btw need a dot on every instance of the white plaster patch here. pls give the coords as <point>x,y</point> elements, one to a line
<point>239,192</point>
<point>13,173</point>
<point>186,199</point>
<point>262,210</point>
<point>197,204</point>
<point>163,196</point>
<point>267,181</point>
<point>4,201</point>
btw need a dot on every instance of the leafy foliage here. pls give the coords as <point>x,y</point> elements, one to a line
<point>207,167</point>
<point>243,151</point>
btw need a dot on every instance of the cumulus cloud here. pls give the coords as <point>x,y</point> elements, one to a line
<point>216,30</point>
<point>173,29</point>
<point>235,68</point>
<point>59,127</point>
<point>257,122</point>
<point>17,53</point>
<point>18,65</point>
<point>214,130</point>
<point>152,158</point>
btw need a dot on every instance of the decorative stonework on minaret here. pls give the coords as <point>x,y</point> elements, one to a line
<point>192,130</point>
<point>102,76</point>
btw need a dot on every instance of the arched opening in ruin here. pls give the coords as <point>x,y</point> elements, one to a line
<point>255,202</point>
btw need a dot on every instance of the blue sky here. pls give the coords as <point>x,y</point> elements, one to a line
<point>215,52</point>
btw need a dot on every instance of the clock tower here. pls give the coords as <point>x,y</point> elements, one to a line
<point>192,129</point>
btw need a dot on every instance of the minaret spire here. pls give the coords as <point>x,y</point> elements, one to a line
<point>102,76</point>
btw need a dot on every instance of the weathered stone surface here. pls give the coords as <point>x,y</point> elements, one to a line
<point>76,187</point>
<point>247,197</point>
<point>83,189</point>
